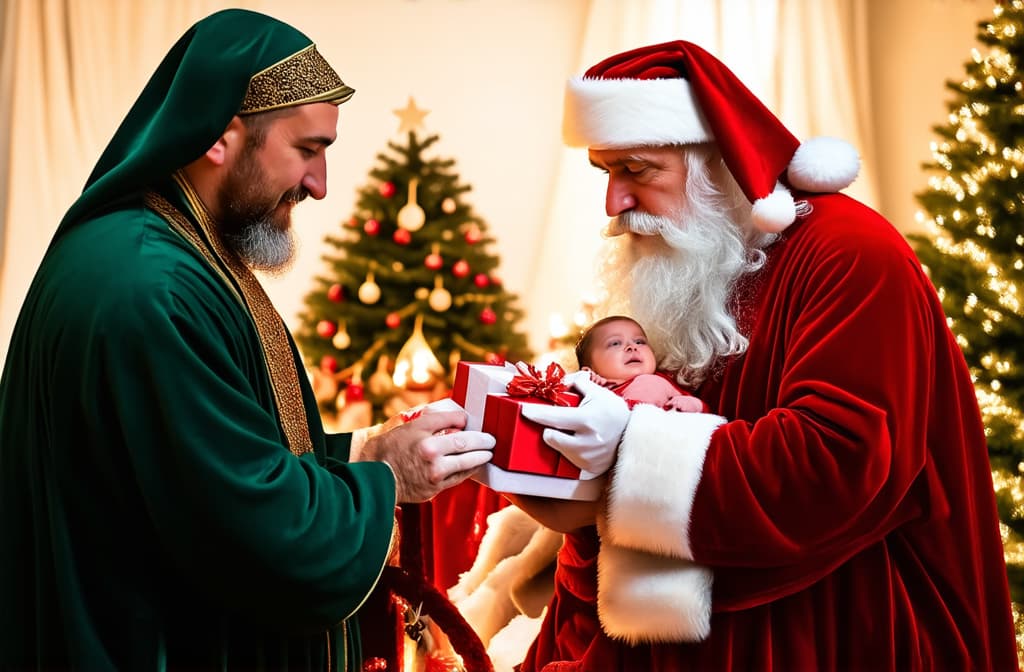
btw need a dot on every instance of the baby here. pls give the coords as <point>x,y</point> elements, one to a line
<point>615,351</point>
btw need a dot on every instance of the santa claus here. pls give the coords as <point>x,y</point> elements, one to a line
<point>835,510</point>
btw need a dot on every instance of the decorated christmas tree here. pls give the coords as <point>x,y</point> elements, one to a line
<point>411,288</point>
<point>974,206</point>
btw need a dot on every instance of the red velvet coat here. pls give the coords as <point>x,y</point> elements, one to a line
<point>842,502</point>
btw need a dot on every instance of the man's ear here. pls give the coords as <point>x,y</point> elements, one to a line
<point>231,140</point>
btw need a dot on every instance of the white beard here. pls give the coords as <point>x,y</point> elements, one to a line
<point>675,274</point>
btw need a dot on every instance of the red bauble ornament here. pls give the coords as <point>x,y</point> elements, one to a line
<point>387,189</point>
<point>325,328</point>
<point>481,280</point>
<point>371,227</point>
<point>393,320</point>
<point>328,363</point>
<point>473,235</point>
<point>353,221</point>
<point>335,293</point>
<point>354,392</point>
<point>433,261</point>
<point>488,316</point>
<point>402,236</point>
<point>460,269</point>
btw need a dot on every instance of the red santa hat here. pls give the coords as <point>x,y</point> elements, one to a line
<point>675,94</point>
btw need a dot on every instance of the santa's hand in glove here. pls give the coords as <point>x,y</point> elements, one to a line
<point>589,434</point>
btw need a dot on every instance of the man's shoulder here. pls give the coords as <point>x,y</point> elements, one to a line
<point>131,255</point>
<point>835,224</point>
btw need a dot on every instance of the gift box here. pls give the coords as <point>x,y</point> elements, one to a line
<point>519,442</point>
<point>473,382</point>
<point>493,396</point>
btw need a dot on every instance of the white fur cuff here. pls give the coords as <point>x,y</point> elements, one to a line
<point>649,598</point>
<point>655,479</point>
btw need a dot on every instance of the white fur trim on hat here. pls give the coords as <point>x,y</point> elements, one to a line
<point>774,212</point>
<point>823,165</point>
<point>649,598</point>
<point>655,478</point>
<point>618,113</point>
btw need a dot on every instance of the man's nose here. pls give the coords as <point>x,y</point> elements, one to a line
<point>619,198</point>
<point>315,180</point>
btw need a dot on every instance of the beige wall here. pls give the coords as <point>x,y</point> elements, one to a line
<point>917,46</point>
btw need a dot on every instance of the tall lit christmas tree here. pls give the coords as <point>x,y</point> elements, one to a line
<point>974,206</point>
<point>410,289</point>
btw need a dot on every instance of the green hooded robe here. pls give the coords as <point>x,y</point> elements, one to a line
<point>154,513</point>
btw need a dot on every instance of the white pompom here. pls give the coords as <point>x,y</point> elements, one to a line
<point>823,165</point>
<point>774,212</point>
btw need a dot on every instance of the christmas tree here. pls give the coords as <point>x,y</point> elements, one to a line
<point>411,288</point>
<point>974,206</point>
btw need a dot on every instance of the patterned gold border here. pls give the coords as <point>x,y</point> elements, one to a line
<point>303,77</point>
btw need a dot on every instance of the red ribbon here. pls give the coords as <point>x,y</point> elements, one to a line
<point>547,386</point>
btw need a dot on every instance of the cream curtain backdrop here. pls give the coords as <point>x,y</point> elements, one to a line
<point>87,61</point>
<point>799,56</point>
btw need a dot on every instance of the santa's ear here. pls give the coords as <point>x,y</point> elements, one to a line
<point>233,136</point>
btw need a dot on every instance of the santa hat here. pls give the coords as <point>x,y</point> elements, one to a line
<point>676,93</point>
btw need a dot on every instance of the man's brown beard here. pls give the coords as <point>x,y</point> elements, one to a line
<point>251,222</point>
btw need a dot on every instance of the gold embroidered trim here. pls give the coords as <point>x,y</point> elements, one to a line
<point>303,77</point>
<point>277,353</point>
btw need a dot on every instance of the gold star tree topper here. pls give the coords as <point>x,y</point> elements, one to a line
<point>411,117</point>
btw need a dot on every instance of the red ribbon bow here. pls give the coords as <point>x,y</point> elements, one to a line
<point>548,386</point>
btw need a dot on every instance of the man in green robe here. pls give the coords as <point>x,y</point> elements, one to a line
<point>168,497</point>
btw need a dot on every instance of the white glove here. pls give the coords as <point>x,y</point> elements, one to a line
<point>591,431</point>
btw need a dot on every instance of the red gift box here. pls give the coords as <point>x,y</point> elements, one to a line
<point>493,395</point>
<point>473,382</point>
<point>519,442</point>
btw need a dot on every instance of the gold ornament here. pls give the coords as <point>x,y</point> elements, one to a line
<point>448,205</point>
<point>380,383</point>
<point>341,339</point>
<point>416,367</point>
<point>411,217</point>
<point>369,291</point>
<point>421,293</point>
<point>440,299</point>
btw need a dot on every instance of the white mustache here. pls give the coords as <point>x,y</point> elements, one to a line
<point>641,223</point>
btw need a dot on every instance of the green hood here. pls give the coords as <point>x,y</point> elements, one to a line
<point>232,62</point>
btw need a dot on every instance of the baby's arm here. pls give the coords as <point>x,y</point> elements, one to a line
<point>685,403</point>
<point>651,388</point>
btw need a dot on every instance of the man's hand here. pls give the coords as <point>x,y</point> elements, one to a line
<point>429,453</point>
<point>588,434</point>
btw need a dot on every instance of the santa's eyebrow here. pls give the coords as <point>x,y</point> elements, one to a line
<point>632,158</point>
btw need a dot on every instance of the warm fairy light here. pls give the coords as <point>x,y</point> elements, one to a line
<point>557,327</point>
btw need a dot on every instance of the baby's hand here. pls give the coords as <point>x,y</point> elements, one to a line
<point>600,380</point>
<point>684,404</point>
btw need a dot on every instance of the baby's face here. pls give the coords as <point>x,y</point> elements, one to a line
<point>619,351</point>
